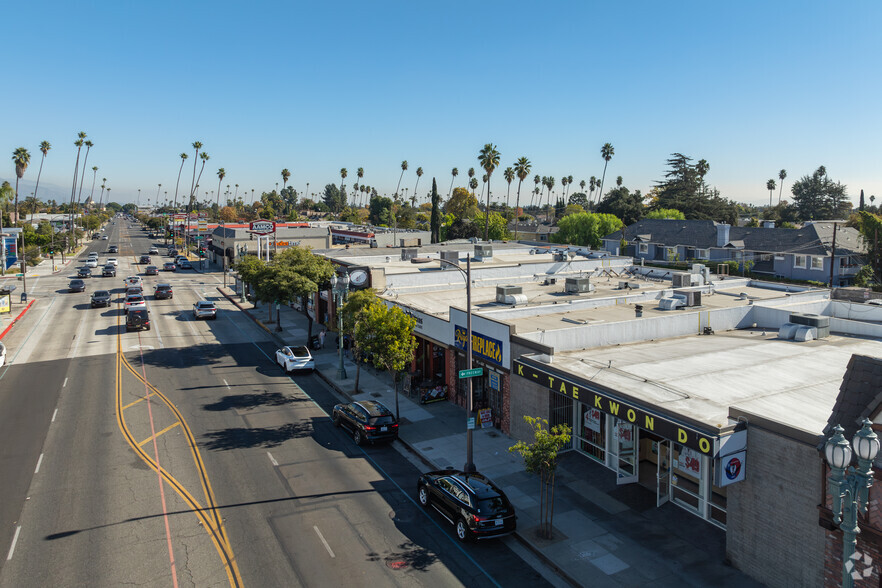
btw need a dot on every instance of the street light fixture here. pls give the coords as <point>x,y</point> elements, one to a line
<point>340,287</point>
<point>467,273</point>
<point>850,494</point>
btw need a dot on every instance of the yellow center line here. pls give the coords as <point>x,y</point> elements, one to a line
<point>165,430</point>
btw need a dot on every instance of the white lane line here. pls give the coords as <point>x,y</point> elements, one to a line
<point>54,414</point>
<point>272,459</point>
<point>78,336</point>
<point>39,461</point>
<point>14,541</point>
<point>325,543</point>
<point>227,385</point>
<point>65,383</point>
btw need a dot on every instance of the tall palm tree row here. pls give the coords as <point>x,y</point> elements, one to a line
<point>781,176</point>
<point>536,181</point>
<point>221,174</point>
<point>197,145</point>
<point>522,169</point>
<point>419,173</point>
<point>453,173</point>
<point>549,183</point>
<point>73,191</point>
<point>101,198</point>
<point>592,185</point>
<point>606,152</point>
<point>45,146</point>
<point>403,169</point>
<point>183,159</point>
<point>22,158</point>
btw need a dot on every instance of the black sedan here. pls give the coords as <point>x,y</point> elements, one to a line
<point>472,503</point>
<point>76,286</point>
<point>100,298</point>
<point>367,420</point>
<point>84,272</point>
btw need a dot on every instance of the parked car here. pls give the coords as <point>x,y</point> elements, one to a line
<point>109,271</point>
<point>472,503</point>
<point>151,236</point>
<point>169,266</point>
<point>205,309</point>
<point>134,301</point>
<point>100,298</point>
<point>295,358</point>
<point>76,286</point>
<point>151,270</point>
<point>84,272</point>
<point>367,420</point>
<point>137,319</point>
<point>144,259</point>
<point>163,291</point>
<point>2,354</point>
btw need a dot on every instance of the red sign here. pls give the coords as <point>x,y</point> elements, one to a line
<point>263,227</point>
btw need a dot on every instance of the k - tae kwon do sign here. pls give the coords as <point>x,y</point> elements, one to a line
<point>657,424</point>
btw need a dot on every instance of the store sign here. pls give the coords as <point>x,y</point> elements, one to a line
<point>592,419</point>
<point>689,462</point>
<point>483,346</point>
<point>493,378</point>
<point>262,227</point>
<point>654,423</point>
<point>202,226</point>
<point>730,469</point>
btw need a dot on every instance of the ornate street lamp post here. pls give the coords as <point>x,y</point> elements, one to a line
<point>850,494</point>
<point>340,287</point>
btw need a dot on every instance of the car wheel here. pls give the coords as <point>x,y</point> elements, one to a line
<point>462,531</point>
<point>337,422</point>
<point>423,495</point>
<point>357,436</point>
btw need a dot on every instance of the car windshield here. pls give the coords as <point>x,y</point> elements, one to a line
<point>206,305</point>
<point>101,294</point>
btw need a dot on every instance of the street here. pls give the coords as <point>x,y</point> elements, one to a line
<point>184,455</point>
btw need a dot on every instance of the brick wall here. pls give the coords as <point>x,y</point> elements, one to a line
<point>772,529</point>
<point>526,398</point>
<point>505,420</point>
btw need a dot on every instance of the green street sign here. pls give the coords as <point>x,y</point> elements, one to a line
<point>470,373</point>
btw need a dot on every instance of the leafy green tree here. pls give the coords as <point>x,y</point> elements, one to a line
<point>435,224</point>
<point>619,201</point>
<point>250,269</point>
<point>540,458</point>
<point>870,227</point>
<point>462,204</point>
<point>498,226</point>
<point>312,271</point>
<point>579,198</point>
<point>682,190</point>
<point>865,278</point>
<point>380,211</point>
<point>333,198</point>
<point>385,335</point>
<point>353,313</point>
<point>665,214</point>
<point>572,209</point>
<point>586,229</point>
<point>817,197</point>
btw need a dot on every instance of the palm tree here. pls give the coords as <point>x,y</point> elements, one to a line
<point>403,169</point>
<point>592,185</point>
<point>94,176</point>
<point>770,186</point>
<point>489,160</point>
<point>536,181</point>
<point>197,145</point>
<point>204,157</point>
<point>509,175</point>
<point>563,184</point>
<point>454,172</point>
<point>419,174</point>
<point>473,184</point>
<point>343,174</point>
<point>73,191</point>
<point>619,182</point>
<point>781,175</point>
<point>522,169</point>
<point>21,157</point>
<point>183,159</point>
<point>569,183</point>
<point>549,183</point>
<point>103,185</point>
<point>359,173</point>
<point>471,177</point>
<point>221,174</point>
<point>701,169</point>
<point>88,145</point>
<point>582,185</point>
<point>606,152</point>
<point>44,148</point>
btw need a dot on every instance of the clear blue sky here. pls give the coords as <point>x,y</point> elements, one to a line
<point>752,87</point>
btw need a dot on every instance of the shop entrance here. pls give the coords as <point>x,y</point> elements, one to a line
<point>623,451</point>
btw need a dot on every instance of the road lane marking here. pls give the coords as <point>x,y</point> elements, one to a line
<point>325,543</point>
<point>14,541</point>
<point>165,430</point>
<point>39,461</point>
<point>272,459</point>
<point>227,385</point>
<point>54,414</point>
<point>65,383</point>
<point>134,403</point>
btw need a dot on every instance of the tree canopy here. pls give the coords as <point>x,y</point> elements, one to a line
<point>683,189</point>
<point>620,202</point>
<point>586,229</point>
<point>817,197</point>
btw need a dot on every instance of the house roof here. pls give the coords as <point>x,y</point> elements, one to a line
<point>812,239</point>
<point>859,395</point>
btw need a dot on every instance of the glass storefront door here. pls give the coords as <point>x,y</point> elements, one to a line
<point>623,450</point>
<point>663,473</point>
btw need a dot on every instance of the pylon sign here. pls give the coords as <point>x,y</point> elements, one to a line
<point>262,227</point>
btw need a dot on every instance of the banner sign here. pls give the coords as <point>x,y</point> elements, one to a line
<point>262,227</point>
<point>483,346</point>
<point>592,420</point>
<point>202,226</point>
<point>702,442</point>
<point>4,303</point>
<point>486,416</point>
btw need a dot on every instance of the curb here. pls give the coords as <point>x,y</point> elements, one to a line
<point>15,320</point>
<point>517,535</point>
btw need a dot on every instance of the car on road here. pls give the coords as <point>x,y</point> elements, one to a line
<point>113,261</point>
<point>172,252</point>
<point>100,298</point>
<point>133,281</point>
<point>295,358</point>
<point>144,259</point>
<point>76,286</point>
<point>151,236</point>
<point>92,262</point>
<point>180,258</point>
<point>84,272</point>
<point>134,301</point>
<point>151,270</point>
<point>137,319</point>
<point>134,290</point>
<point>163,292</point>
<point>104,237</point>
<point>109,271</point>
<point>113,249</point>
<point>2,354</point>
<point>153,251</point>
<point>169,266</point>
<point>367,420</point>
<point>205,309</point>
<point>472,503</point>
<point>186,265</point>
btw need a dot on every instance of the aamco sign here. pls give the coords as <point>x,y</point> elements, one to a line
<point>262,227</point>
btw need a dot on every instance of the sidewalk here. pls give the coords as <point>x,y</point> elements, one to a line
<point>604,534</point>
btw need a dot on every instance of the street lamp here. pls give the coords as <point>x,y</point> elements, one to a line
<point>850,494</point>
<point>467,273</point>
<point>340,287</point>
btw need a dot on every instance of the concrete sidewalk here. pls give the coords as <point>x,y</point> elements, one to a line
<point>604,534</point>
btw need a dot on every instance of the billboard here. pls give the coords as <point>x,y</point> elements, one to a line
<point>262,227</point>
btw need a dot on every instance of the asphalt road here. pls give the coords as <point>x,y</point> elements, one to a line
<point>184,456</point>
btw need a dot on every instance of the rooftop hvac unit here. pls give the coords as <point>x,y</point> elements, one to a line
<point>821,323</point>
<point>504,291</point>
<point>681,280</point>
<point>550,281</point>
<point>452,257</point>
<point>692,297</point>
<point>560,256</point>
<point>578,285</point>
<point>483,252</point>
<point>674,302</point>
<point>408,253</point>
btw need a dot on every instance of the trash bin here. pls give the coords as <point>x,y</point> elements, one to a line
<point>24,297</point>
<point>314,342</point>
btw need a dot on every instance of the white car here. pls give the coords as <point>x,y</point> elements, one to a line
<point>92,262</point>
<point>134,301</point>
<point>112,261</point>
<point>205,309</point>
<point>295,358</point>
<point>153,251</point>
<point>133,281</point>
<point>104,238</point>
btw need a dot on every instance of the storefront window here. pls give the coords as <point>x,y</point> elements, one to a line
<point>590,432</point>
<point>686,480</point>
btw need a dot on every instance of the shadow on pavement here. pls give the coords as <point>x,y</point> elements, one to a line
<point>253,400</point>
<point>242,437</point>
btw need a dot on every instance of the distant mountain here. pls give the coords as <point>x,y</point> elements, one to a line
<point>47,191</point>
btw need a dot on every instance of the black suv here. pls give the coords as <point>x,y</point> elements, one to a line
<point>100,298</point>
<point>368,420</point>
<point>137,319</point>
<point>77,286</point>
<point>145,259</point>
<point>163,291</point>
<point>109,271</point>
<point>475,506</point>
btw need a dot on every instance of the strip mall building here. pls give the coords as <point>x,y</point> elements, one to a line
<point>678,382</point>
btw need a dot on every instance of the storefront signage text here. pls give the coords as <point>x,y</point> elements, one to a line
<point>651,422</point>
<point>483,346</point>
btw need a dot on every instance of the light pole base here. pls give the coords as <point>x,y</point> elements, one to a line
<point>469,468</point>
<point>341,374</point>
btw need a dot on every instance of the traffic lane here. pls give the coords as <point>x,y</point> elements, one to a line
<point>27,402</point>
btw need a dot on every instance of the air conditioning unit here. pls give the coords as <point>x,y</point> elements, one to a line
<point>503,291</point>
<point>550,281</point>
<point>692,297</point>
<point>483,252</point>
<point>452,257</point>
<point>821,323</point>
<point>578,285</point>
<point>560,255</point>
<point>672,303</point>
<point>408,253</point>
<point>681,280</point>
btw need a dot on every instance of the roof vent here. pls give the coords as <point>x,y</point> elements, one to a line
<point>692,297</point>
<point>450,256</point>
<point>503,291</point>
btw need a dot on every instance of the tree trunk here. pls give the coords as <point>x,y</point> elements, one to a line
<point>395,391</point>
<point>357,358</point>
<point>551,509</point>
